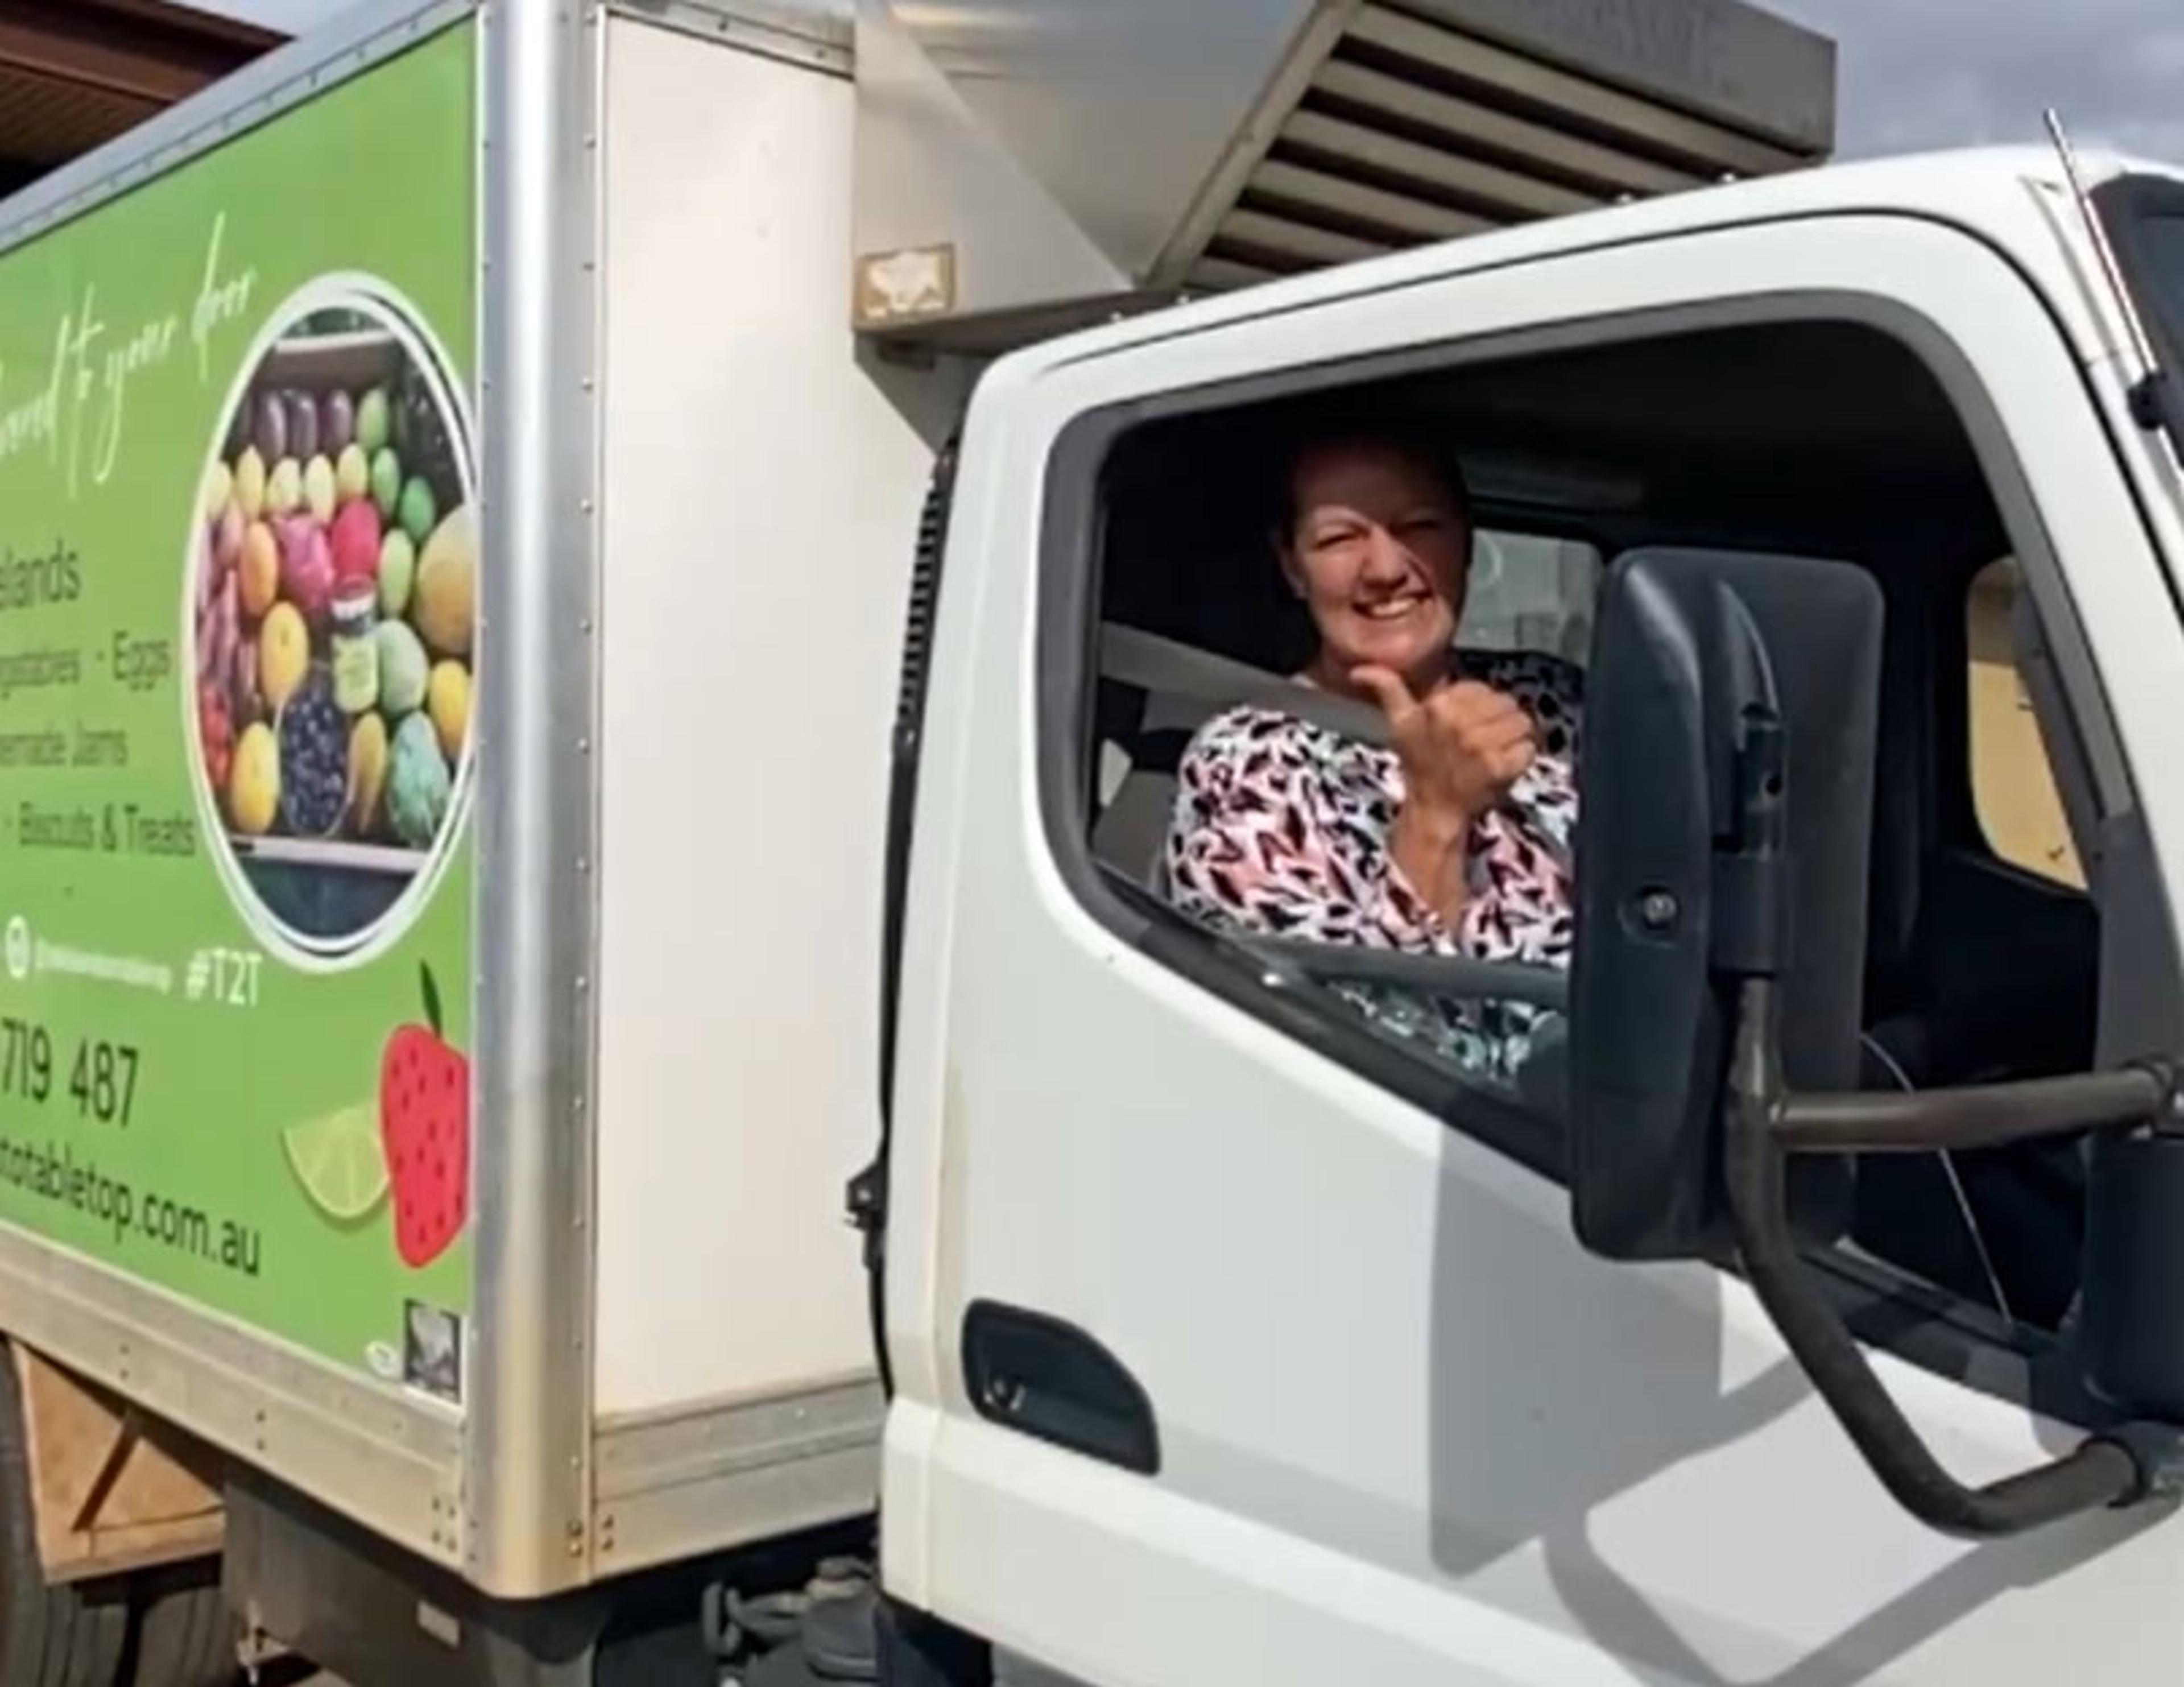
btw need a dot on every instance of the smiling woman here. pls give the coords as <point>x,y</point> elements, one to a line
<point>1455,838</point>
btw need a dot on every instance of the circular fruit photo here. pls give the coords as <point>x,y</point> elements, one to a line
<point>332,614</point>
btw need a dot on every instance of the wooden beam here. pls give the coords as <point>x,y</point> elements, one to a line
<point>111,1489</point>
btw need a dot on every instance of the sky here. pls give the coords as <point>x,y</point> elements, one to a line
<point>1914,73</point>
<point>1921,73</point>
<point>292,17</point>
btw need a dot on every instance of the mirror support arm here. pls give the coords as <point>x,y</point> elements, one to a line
<point>1983,1116</point>
<point>1764,1126</point>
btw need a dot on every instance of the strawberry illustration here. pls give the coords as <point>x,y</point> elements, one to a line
<point>425,1132</point>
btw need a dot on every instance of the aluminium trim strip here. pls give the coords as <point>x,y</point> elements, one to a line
<point>541,128</point>
<point>684,1483</point>
<point>818,40</point>
<point>390,1459</point>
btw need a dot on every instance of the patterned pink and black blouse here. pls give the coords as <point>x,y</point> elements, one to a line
<point>1280,829</point>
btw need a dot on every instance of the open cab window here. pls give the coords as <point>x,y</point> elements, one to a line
<point>1975,971</point>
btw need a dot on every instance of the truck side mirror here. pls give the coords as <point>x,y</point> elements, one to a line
<point>1714,1005</point>
<point>2130,1336</point>
<point>1730,730</point>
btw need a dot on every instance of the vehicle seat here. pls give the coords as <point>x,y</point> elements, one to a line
<point>1976,973</point>
<point>1138,784</point>
<point>2005,987</point>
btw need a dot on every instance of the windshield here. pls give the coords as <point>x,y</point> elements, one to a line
<point>2162,242</point>
<point>2144,216</point>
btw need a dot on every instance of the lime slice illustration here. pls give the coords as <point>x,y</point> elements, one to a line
<point>338,1160</point>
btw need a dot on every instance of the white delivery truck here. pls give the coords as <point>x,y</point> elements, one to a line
<point>459,482</point>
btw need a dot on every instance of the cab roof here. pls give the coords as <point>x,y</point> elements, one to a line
<point>2014,197</point>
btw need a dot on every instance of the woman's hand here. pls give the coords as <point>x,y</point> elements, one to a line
<point>1462,747</point>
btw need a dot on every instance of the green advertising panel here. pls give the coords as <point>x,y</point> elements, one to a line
<point>237,597</point>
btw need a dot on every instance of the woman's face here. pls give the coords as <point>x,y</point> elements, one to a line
<point>1379,551</point>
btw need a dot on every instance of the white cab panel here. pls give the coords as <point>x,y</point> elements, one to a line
<point>1412,1432</point>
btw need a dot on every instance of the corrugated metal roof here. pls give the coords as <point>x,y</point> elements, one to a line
<point>46,122</point>
<point>73,74</point>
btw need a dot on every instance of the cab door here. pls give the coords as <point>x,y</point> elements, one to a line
<point>1235,1340</point>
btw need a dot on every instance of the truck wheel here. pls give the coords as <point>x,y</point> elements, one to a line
<point>83,1648</point>
<point>66,1636</point>
<point>186,1636</point>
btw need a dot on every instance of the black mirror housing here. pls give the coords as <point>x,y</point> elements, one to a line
<point>1714,1018</point>
<point>1730,740</point>
<point>2132,1336</point>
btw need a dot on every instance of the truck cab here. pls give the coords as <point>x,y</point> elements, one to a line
<point>1207,1291</point>
<point>439,1008</point>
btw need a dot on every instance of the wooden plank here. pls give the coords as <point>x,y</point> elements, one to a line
<point>111,1489</point>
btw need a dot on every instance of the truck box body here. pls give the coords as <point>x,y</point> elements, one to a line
<point>228,1247</point>
<point>172,1230</point>
<point>455,546</point>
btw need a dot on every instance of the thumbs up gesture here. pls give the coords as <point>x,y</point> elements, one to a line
<point>1461,746</point>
